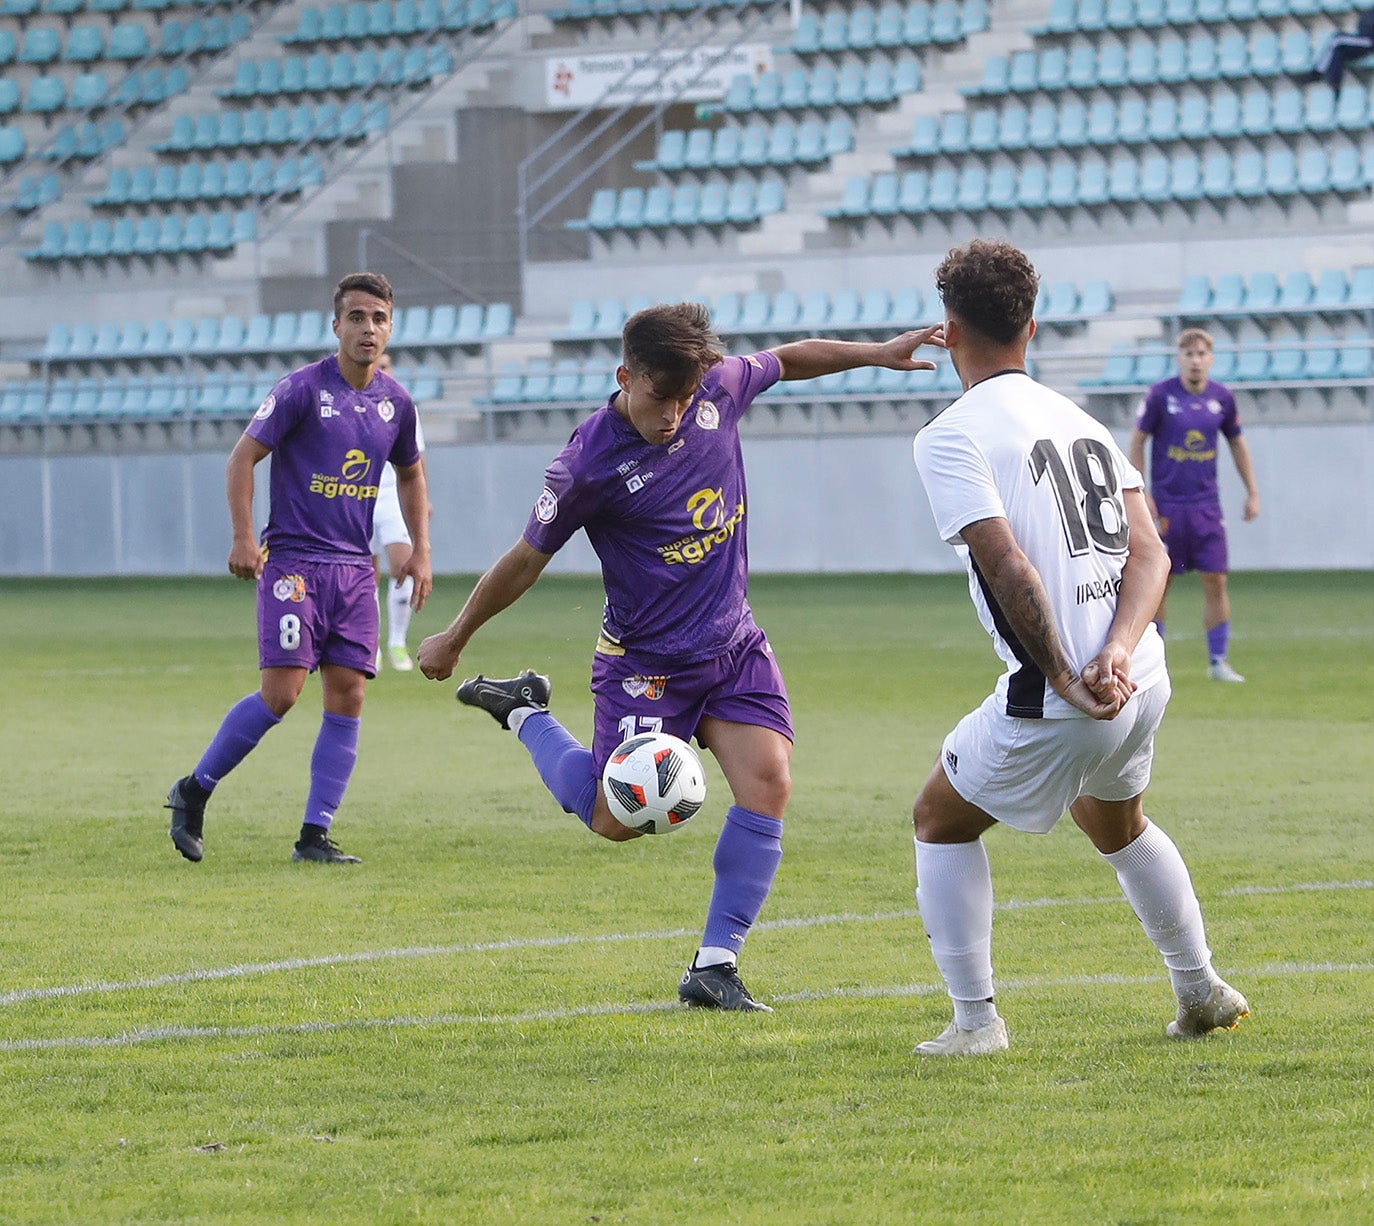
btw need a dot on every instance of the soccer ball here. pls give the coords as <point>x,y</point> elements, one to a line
<point>654,782</point>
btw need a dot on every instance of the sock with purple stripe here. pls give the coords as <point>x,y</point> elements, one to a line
<point>747,856</point>
<point>331,767</point>
<point>1218,640</point>
<point>563,763</point>
<point>248,721</point>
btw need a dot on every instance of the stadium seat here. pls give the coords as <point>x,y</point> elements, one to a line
<point>1002,188</point>
<point>785,311</point>
<point>1261,292</point>
<point>913,192</point>
<point>1044,125</point>
<point>884,195</point>
<point>1013,128</point>
<point>1361,293</point>
<point>1354,361</point>
<point>1320,364</point>
<point>1062,191</point>
<point>1196,295</point>
<point>875,307</point>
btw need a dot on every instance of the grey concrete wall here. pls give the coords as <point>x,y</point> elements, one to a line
<point>817,504</point>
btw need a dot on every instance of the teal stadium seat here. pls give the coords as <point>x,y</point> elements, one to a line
<point>498,322</point>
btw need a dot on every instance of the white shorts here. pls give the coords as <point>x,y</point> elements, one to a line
<point>388,524</point>
<point>1027,772</point>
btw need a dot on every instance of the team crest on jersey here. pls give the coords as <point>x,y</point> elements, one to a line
<point>386,410</point>
<point>651,688</point>
<point>708,416</point>
<point>266,407</point>
<point>546,506</point>
<point>1214,406</point>
<point>290,587</point>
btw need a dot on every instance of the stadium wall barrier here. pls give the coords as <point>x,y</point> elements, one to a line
<point>817,505</point>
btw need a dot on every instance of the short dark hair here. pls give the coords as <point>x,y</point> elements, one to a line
<point>369,282</point>
<point>674,345</point>
<point>990,286</point>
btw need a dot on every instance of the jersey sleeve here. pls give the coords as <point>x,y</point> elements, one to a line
<point>405,451</point>
<point>1230,415</point>
<point>745,378</point>
<point>563,506</point>
<point>958,481</point>
<point>1147,415</point>
<point>279,414</point>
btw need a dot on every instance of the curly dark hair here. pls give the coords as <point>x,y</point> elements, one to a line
<point>369,282</point>
<point>990,286</point>
<point>674,345</point>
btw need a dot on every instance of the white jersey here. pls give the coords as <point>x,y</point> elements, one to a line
<point>1011,448</point>
<point>388,524</point>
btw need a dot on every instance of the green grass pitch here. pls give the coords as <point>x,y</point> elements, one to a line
<point>479,1023</point>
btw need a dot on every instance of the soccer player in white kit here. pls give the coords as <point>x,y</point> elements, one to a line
<point>1066,570</point>
<point>390,539</point>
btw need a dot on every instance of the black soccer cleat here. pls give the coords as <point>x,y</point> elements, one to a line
<point>717,987</point>
<point>499,698</point>
<point>186,799</point>
<point>319,848</point>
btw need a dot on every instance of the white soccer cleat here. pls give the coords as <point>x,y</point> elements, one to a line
<point>1222,1010</point>
<point>400,659</point>
<point>955,1042</point>
<point>1220,670</point>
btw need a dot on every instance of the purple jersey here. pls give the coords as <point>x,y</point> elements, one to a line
<point>329,443</point>
<point>668,523</point>
<point>1184,427</point>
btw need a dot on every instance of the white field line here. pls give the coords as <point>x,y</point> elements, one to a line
<point>162,1034</point>
<point>242,970</point>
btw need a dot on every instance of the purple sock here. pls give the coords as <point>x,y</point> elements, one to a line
<point>248,721</point>
<point>331,766</point>
<point>1218,638</point>
<point>563,763</point>
<point>748,853</point>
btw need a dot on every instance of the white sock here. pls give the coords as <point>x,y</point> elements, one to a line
<point>954,894</point>
<point>1156,883</point>
<point>712,955</point>
<point>398,611</point>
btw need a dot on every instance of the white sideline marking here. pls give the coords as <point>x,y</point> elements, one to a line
<point>20,995</point>
<point>133,1038</point>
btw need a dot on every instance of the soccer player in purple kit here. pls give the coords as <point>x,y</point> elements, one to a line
<point>329,427</point>
<point>1184,415</point>
<point>656,479</point>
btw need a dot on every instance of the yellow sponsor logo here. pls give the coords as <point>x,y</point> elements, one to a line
<point>1180,453</point>
<point>708,511</point>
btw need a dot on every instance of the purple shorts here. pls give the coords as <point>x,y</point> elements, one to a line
<point>313,613</point>
<point>1195,537</point>
<point>744,686</point>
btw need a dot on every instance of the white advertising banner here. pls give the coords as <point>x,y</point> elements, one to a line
<point>693,74</point>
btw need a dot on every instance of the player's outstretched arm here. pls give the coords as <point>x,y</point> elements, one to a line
<point>817,356</point>
<point>245,554</point>
<point>1020,593</point>
<point>509,578</point>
